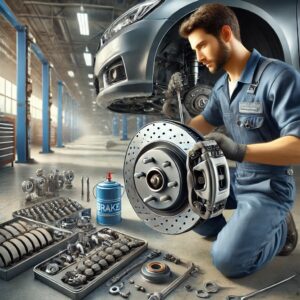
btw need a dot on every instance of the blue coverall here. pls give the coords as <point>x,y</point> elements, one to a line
<point>262,194</point>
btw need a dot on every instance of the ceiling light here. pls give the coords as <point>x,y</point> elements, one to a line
<point>83,22</point>
<point>91,83</point>
<point>80,92</point>
<point>90,76</point>
<point>87,57</point>
<point>76,84</point>
<point>71,73</point>
<point>94,102</point>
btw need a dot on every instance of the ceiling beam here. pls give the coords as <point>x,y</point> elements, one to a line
<point>38,16</point>
<point>85,5</point>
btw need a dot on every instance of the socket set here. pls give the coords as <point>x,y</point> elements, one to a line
<point>24,243</point>
<point>86,264</point>
<point>50,211</point>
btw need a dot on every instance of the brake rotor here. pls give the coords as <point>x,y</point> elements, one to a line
<point>155,176</point>
<point>196,99</point>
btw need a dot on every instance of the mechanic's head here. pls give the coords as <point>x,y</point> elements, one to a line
<point>211,31</point>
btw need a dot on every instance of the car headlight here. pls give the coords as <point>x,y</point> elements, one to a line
<point>134,14</point>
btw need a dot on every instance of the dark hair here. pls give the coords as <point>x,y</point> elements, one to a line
<point>211,17</point>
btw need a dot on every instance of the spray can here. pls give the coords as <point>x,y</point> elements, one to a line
<point>108,198</point>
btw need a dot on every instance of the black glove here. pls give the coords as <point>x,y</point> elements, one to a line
<point>231,150</point>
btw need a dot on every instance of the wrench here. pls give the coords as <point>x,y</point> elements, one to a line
<point>116,290</point>
<point>174,284</point>
<point>151,255</point>
<point>232,297</point>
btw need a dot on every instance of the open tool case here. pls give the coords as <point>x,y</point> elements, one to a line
<point>24,243</point>
<point>51,211</point>
<point>83,266</point>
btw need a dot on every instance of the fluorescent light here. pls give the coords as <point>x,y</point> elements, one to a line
<point>71,73</point>
<point>87,57</point>
<point>94,102</point>
<point>90,76</point>
<point>83,21</point>
<point>91,83</point>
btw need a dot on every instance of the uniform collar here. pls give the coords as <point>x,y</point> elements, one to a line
<point>248,72</point>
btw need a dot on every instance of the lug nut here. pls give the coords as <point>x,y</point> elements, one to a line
<point>150,198</point>
<point>147,160</point>
<point>139,175</point>
<point>164,198</point>
<point>166,164</point>
<point>172,184</point>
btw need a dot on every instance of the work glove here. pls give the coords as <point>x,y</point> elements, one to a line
<point>171,105</point>
<point>231,150</point>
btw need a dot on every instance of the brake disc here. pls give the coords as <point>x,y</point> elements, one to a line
<point>196,99</point>
<point>155,176</point>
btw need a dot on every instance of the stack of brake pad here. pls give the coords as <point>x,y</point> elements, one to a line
<point>18,240</point>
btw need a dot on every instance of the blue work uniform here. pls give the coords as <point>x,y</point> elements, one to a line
<point>262,194</point>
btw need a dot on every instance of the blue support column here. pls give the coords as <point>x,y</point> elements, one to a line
<point>115,125</point>
<point>59,115</point>
<point>144,120</point>
<point>22,138</point>
<point>46,129</point>
<point>124,127</point>
<point>139,123</point>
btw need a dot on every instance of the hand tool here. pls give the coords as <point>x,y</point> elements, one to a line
<point>174,284</point>
<point>244,297</point>
<point>88,189</point>
<point>151,255</point>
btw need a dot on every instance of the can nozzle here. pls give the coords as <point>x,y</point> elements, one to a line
<point>109,176</point>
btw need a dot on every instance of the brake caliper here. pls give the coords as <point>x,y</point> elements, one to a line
<point>208,179</point>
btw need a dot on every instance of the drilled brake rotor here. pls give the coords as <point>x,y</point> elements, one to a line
<point>155,176</point>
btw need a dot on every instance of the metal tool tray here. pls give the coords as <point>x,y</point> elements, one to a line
<point>55,222</point>
<point>78,293</point>
<point>9,272</point>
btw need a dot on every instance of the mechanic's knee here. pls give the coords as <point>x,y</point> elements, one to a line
<point>227,262</point>
<point>211,227</point>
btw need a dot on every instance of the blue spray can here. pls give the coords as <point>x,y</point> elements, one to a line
<point>108,197</point>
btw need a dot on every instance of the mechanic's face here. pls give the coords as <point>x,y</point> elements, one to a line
<point>212,52</point>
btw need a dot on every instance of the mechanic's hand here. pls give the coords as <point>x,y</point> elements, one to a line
<point>231,150</point>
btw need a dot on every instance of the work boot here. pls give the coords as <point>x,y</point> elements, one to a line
<point>292,236</point>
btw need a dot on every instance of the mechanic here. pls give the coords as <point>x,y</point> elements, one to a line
<point>263,123</point>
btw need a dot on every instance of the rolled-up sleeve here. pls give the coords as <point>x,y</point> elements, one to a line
<point>284,95</point>
<point>212,112</point>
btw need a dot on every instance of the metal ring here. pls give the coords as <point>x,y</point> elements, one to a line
<point>114,290</point>
<point>156,267</point>
<point>211,287</point>
<point>202,294</point>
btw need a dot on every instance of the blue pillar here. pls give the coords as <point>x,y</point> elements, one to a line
<point>115,125</point>
<point>46,129</point>
<point>144,120</point>
<point>22,138</point>
<point>124,127</point>
<point>59,115</point>
<point>139,123</point>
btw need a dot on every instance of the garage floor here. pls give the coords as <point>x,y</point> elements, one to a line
<point>89,157</point>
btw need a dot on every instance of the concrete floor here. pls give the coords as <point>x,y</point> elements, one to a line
<point>89,157</point>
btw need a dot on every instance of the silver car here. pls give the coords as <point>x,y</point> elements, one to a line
<point>140,51</point>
